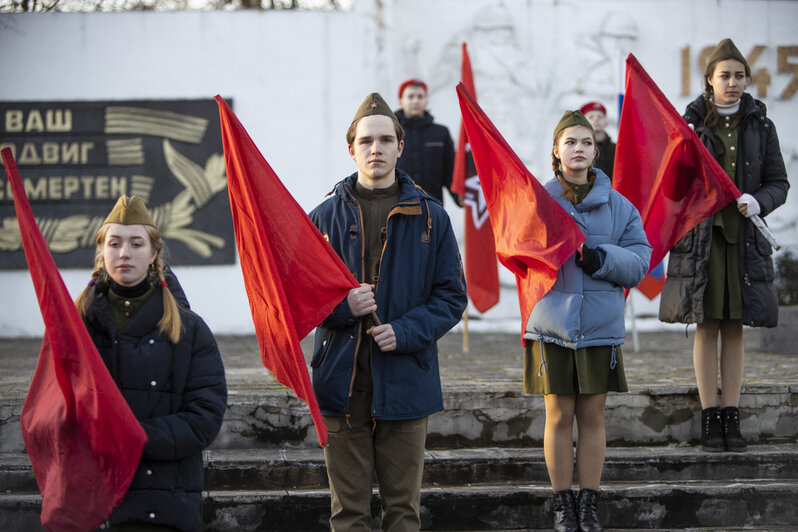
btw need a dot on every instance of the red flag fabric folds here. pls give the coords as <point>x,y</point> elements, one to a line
<point>482,272</point>
<point>82,439</point>
<point>292,276</point>
<point>533,234</point>
<point>662,167</point>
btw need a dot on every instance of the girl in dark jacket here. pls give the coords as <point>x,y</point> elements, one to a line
<point>165,361</point>
<point>720,275</point>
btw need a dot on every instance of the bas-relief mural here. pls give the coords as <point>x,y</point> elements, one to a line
<point>604,53</point>
<point>524,91</point>
<point>512,83</point>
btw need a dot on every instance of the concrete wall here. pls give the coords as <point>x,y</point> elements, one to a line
<point>297,77</point>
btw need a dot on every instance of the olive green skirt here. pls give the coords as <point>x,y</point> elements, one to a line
<point>563,371</point>
<point>723,297</point>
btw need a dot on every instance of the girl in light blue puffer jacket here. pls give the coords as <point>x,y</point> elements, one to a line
<point>574,334</point>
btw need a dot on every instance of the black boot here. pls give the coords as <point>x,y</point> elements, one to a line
<point>565,512</point>
<point>730,425</point>
<point>588,514</point>
<point>711,432</point>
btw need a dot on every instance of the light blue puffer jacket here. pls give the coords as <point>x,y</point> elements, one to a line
<point>584,310</point>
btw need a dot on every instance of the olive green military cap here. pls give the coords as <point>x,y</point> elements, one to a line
<point>374,104</point>
<point>130,211</point>
<point>571,118</point>
<point>727,50</point>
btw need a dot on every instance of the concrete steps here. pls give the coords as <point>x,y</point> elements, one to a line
<point>483,489</point>
<point>304,469</point>
<point>647,415</point>
<point>755,505</point>
<point>514,507</point>
<point>300,469</point>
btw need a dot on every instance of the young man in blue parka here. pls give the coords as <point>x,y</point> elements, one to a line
<point>378,381</point>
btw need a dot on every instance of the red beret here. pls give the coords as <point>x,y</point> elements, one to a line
<point>411,81</point>
<point>593,106</point>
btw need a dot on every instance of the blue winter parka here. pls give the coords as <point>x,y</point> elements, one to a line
<point>583,310</point>
<point>421,292</point>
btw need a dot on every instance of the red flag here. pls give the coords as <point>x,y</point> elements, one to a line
<point>534,235</point>
<point>662,167</point>
<point>80,434</point>
<point>293,277</point>
<point>482,273</point>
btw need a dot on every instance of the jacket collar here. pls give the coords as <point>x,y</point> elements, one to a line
<point>409,192</point>
<point>749,104</point>
<point>598,195</point>
<point>145,320</point>
<point>414,122</point>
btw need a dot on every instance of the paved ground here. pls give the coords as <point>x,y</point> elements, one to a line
<point>494,361</point>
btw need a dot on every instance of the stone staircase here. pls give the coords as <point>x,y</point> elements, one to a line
<point>484,465</point>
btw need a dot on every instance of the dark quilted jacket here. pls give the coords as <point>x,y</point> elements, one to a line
<point>762,174</point>
<point>178,392</point>
<point>428,155</point>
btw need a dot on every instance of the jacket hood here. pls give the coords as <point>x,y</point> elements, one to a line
<point>598,195</point>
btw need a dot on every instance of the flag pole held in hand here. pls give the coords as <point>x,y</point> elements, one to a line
<point>760,224</point>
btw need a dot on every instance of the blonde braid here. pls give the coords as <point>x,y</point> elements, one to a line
<point>170,323</point>
<point>83,300</point>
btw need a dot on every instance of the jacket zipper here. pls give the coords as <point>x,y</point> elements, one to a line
<point>358,326</point>
<point>393,211</point>
<point>362,273</point>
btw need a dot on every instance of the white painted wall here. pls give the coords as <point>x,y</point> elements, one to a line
<point>297,78</point>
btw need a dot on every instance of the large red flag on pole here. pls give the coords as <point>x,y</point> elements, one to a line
<point>652,284</point>
<point>82,439</point>
<point>482,273</point>
<point>293,277</point>
<point>534,236</point>
<point>662,167</point>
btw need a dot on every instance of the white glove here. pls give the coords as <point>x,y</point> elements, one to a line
<point>750,201</point>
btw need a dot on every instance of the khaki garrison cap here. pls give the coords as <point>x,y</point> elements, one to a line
<point>727,50</point>
<point>130,211</point>
<point>571,118</point>
<point>373,105</point>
